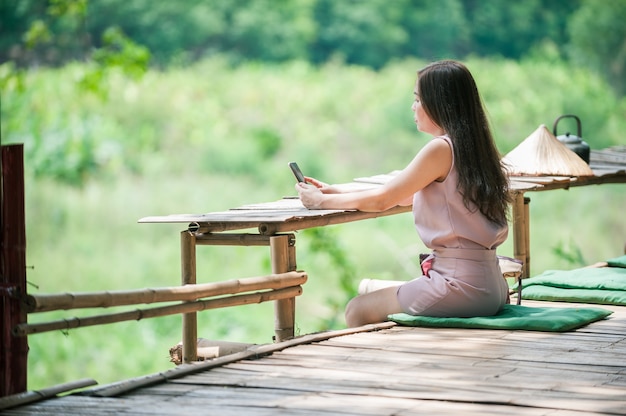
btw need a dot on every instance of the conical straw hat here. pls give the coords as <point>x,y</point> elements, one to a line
<point>541,154</point>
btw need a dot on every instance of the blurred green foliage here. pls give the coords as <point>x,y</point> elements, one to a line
<point>249,119</point>
<point>598,40</point>
<point>370,33</point>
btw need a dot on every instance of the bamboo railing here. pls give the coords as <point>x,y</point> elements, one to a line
<point>265,288</point>
<point>50,302</point>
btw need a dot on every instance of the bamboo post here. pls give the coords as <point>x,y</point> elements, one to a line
<point>526,268</point>
<point>188,277</point>
<point>519,231</point>
<point>283,258</point>
<point>14,351</point>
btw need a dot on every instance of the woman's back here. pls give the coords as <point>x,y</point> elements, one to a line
<point>443,221</point>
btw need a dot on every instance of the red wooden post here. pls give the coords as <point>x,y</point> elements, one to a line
<point>13,350</point>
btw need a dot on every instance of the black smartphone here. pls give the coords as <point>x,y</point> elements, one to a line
<point>296,171</point>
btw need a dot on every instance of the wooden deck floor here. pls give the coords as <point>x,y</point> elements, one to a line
<point>393,370</point>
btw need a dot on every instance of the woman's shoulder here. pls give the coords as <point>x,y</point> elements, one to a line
<point>443,138</point>
<point>440,143</point>
<point>437,155</point>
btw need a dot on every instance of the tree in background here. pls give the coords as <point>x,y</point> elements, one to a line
<point>54,32</point>
<point>38,32</point>
<point>511,29</point>
<point>364,33</point>
<point>188,30</point>
<point>436,29</point>
<point>598,39</point>
<point>370,33</point>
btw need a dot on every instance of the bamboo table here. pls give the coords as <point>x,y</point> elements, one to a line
<point>273,224</point>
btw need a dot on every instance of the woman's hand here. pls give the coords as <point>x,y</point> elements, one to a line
<point>310,195</point>
<point>323,187</point>
<point>315,182</point>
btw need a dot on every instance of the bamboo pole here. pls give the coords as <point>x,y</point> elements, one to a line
<point>188,277</point>
<point>519,230</point>
<point>283,260</point>
<point>138,314</point>
<point>526,268</point>
<point>222,239</point>
<point>37,395</point>
<point>65,301</point>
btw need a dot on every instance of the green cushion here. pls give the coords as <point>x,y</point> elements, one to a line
<point>603,285</point>
<point>547,319</point>
<point>557,294</point>
<point>606,278</point>
<point>617,261</point>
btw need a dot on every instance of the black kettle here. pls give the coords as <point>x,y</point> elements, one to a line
<point>574,143</point>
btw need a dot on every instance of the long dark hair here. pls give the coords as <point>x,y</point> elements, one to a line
<point>449,96</point>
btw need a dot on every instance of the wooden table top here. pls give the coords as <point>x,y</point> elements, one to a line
<point>288,213</point>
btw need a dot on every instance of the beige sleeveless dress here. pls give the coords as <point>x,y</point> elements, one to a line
<point>464,278</point>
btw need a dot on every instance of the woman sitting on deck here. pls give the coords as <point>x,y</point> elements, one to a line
<point>459,193</point>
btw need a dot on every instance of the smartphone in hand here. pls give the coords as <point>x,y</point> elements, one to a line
<point>297,172</point>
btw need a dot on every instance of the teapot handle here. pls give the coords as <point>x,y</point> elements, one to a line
<point>577,123</point>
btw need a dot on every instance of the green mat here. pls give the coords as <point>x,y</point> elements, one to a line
<point>603,285</point>
<point>617,261</point>
<point>527,318</point>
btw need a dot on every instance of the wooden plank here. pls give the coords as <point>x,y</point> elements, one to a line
<point>397,361</point>
<point>542,179</point>
<point>595,357</point>
<point>524,186</point>
<point>465,374</point>
<point>232,402</point>
<point>615,155</point>
<point>408,357</point>
<point>417,385</point>
<point>331,403</point>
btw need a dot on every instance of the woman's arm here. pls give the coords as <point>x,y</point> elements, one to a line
<point>432,163</point>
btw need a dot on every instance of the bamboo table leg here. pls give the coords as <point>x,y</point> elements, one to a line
<point>527,234</point>
<point>282,249</point>
<point>521,231</point>
<point>188,276</point>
